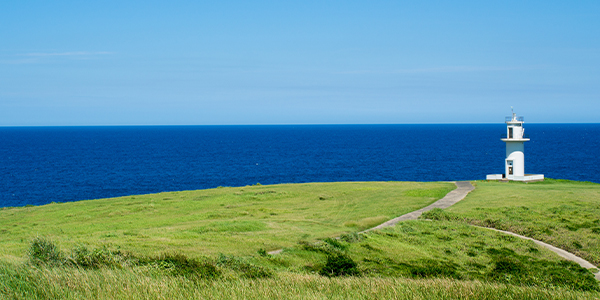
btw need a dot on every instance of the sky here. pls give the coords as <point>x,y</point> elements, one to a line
<point>65,63</point>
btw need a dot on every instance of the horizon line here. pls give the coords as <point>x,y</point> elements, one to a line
<point>285,124</point>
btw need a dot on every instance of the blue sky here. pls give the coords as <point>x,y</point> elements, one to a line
<point>302,62</point>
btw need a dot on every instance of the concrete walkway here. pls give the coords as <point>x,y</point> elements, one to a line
<point>460,193</point>
<point>463,188</point>
<point>562,253</point>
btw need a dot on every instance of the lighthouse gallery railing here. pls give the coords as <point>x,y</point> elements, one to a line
<point>520,119</point>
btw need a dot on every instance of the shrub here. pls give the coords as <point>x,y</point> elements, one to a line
<point>351,237</point>
<point>247,269</point>
<point>180,265</point>
<point>262,252</point>
<point>317,247</point>
<point>434,268</point>
<point>43,251</point>
<point>336,244</point>
<point>508,265</point>
<point>83,257</point>
<point>339,265</point>
<point>439,214</point>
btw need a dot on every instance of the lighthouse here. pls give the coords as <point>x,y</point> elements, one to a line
<point>514,163</point>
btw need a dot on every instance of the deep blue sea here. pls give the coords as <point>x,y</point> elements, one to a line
<point>39,165</point>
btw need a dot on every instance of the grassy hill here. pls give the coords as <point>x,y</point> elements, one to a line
<point>214,243</point>
<point>229,220</point>
<point>563,213</point>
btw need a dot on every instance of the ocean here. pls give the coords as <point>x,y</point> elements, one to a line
<point>39,165</point>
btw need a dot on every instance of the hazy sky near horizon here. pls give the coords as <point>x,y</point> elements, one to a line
<point>301,62</point>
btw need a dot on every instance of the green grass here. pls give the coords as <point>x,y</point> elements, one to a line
<point>563,213</point>
<point>213,244</point>
<point>231,220</point>
<point>444,249</point>
<point>412,249</point>
<point>19,282</point>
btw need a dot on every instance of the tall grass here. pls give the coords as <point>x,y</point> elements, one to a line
<point>21,282</point>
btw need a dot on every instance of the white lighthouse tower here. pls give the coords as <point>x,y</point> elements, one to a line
<point>514,163</point>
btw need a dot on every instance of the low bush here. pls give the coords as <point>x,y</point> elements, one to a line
<point>44,252</point>
<point>262,252</point>
<point>439,215</point>
<point>339,265</point>
<point>427,268</point>
<point>351,237</point>
<point>317,247</point>
<point>247,269</point>
<point>81,256</point>
<point>178,264</point>
<point>341,246</point>
<point>338,262</point>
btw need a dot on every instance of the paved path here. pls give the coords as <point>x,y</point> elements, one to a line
<point>460,193</point>
<point>562,253</point>
<point>463,188</point>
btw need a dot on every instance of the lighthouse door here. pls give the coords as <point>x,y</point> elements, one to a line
<point>510,167</point>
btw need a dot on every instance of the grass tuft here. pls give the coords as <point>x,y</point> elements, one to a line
<point>177,264</point>
<point>427,268</point>
<point>248,270</point>
<point>43,251</point>
<point>339,264</point>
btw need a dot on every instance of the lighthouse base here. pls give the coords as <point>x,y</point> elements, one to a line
<point>525,178</point>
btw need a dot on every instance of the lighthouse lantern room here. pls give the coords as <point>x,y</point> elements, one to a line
<point>514,163</point>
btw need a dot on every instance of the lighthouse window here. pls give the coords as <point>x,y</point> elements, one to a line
<point>510,133</point>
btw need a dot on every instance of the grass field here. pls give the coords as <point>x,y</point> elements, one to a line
<point>229,220</point>
<point>213,243</point>
<point>424,249</point>
<point>57,283</point>
<point>563,213</point>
